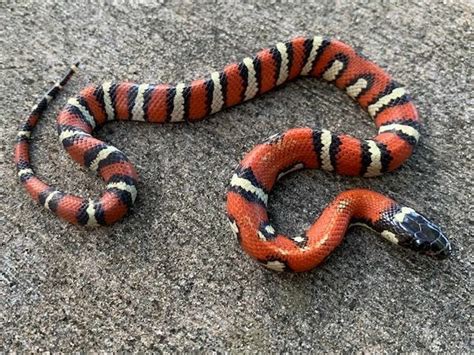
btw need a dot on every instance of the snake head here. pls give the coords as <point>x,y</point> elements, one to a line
<point>412,230</point>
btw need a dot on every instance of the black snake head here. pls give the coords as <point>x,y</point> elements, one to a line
<point>412,230</point>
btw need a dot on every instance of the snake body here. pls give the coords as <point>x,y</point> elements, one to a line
<point>385,100</point>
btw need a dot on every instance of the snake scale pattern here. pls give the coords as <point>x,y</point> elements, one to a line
<point>387,103</point>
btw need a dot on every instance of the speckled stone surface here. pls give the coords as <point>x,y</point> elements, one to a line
<point>171,277</point>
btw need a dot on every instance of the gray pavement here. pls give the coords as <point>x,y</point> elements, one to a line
<point>171,276</point>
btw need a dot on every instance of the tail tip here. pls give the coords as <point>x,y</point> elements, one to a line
<point>75,67</point>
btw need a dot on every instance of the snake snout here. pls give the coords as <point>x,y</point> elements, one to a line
<point>421,235</point>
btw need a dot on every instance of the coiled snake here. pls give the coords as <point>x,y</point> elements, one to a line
<point>386,102</point>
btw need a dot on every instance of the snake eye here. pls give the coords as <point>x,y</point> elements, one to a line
<point>418,233</point>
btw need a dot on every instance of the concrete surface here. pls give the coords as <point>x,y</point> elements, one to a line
<point>171,276</point>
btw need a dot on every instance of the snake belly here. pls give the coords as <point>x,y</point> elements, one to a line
<point>384,99</point>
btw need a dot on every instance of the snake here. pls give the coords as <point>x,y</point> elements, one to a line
<point>386,101</point>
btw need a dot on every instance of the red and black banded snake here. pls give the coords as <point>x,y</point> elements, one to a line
<point>385,100</point>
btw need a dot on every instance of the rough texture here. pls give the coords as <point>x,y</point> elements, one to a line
<point>170,276</point>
